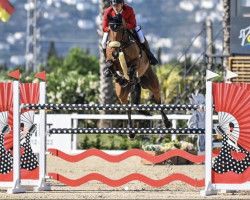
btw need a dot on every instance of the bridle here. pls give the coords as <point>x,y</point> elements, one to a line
<point>120,44</point>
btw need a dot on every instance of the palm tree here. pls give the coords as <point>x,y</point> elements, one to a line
<point>226,28</point>
<point>106,90</point>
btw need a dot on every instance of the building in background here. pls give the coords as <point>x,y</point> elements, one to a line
<point>239,62</point>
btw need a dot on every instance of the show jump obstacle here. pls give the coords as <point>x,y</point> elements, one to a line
<point>210,187</point>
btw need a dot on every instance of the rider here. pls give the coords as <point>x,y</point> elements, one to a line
<point>119,7</point>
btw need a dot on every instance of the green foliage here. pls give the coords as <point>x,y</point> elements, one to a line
<point>81,62</point>
<point>167,139</point>
<point>164,147</point>
<point>169,76</point>
<point>85,144</point>
<point>98,142</point>
<point>112,146</point>
<point>73,79</point>
<point>4,76</point>
<point>124,144</point>
<point>153,139</point>
<point>53,63</point>
<point>111,142</point>
<point>137,143</point>
<point>71,87</point>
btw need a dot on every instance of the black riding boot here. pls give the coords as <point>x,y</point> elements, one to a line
<point>104,53</point>
<point>152,59</point>
<point>106,71</point>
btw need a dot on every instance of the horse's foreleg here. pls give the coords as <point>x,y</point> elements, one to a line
<point>130,125</point>
<point>133,79</point>
<point>122,94</point>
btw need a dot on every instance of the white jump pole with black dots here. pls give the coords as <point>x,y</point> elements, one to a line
<point>115,107</point>
<point>121,131</point>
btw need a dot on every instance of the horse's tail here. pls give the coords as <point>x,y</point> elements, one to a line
<point>136,97</point>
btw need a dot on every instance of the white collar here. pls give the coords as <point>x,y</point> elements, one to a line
<point>119,12</point>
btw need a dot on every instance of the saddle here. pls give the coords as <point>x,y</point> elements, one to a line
<point>134,37</point>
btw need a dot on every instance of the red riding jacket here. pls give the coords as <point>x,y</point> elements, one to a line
<point>127,14</point>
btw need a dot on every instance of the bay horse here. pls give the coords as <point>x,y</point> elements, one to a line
<point>125,55</point>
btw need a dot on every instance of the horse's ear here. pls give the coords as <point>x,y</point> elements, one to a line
<point>109,17</point>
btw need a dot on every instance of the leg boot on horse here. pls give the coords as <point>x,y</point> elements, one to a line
<point>122,94</point>
<point>107,71</point>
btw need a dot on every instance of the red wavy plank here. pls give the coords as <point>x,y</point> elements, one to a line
<point>127,154</point>
<point>126,179</point>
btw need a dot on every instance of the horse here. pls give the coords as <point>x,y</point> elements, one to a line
<point>125,55</point>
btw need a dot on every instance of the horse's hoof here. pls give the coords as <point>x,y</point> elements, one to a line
<point>131,136</point>
<point>168,124</point>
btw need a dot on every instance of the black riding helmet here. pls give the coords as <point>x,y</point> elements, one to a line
<point>115,2</point>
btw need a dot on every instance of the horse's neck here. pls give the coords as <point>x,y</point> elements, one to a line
<point>126,39</point>
<point>125,31</point>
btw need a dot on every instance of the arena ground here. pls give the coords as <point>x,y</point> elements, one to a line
<point>132,190</point>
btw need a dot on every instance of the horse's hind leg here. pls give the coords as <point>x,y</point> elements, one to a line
<point>136,97</point>
<point>151,82</point>
<point>122,94</point>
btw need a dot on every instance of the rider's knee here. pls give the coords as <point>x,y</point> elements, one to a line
<point>140,34</point>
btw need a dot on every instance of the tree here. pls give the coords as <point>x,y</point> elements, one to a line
<point>106,89</point>
<point>73,79</point>
<point>81,61</point>
<point>52,50</point>
<point>226,28</point>
<point>171,81</point>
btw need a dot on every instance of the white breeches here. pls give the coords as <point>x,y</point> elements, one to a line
<point>104,40</point>
<point>140,34</point>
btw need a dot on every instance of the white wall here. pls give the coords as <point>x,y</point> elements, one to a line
<point>58,141</point>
